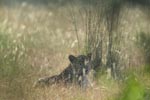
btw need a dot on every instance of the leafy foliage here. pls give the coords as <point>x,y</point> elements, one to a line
<point>133,89</point>
<point>144,40</point>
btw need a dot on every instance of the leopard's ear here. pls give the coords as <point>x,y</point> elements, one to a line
<point>89,55</point>
<point>72,58</point>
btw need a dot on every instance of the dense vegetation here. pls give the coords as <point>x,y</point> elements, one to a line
<point>37,37</point>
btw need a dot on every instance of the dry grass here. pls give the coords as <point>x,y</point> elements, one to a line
<point>47,35</point>
<point>48,38</point>
<point>73,93</point>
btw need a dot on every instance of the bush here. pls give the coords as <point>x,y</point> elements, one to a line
<point>143,42</point>
<point>133,90</point>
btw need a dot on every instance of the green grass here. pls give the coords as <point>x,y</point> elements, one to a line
<point>133,89</point>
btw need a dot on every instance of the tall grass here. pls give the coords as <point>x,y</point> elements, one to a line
<point>13,67</point>
<point>35,41</point>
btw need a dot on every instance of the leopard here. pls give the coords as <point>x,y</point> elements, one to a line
<point>75,73</point>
